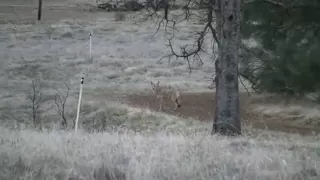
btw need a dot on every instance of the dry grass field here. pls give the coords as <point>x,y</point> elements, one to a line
<point>122,135</point>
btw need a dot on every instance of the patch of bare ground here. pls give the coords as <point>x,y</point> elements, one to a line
<point>201,106</point>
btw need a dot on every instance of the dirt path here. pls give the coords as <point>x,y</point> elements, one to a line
<point>202,106</point>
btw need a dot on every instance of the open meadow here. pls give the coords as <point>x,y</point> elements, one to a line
<point>122,135</point>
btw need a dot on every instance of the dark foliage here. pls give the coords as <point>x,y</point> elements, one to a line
<point>289,32</point>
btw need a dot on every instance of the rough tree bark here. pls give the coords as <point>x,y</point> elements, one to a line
<point>39,10</point>
<point>227,114</point>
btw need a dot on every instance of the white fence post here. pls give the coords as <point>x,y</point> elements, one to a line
<point>79,104</point>
<point>14,35</point>
<point>90,45</point>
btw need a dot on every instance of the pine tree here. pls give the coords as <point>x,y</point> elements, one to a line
<point>227,113</point>
<point>289,32</point>
<point>226,15</point>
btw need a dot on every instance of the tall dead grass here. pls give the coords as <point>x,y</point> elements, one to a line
<point>27,154</point>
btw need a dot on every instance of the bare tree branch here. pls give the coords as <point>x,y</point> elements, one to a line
<point>273,2</point>
<point>187,51</point>
<point>286,6</point>
<point>244,85</point>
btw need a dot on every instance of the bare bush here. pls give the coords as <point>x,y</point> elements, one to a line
<point>35,97</point>
<point>60,101</point>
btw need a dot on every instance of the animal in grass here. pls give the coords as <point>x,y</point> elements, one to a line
<point>166,92</point>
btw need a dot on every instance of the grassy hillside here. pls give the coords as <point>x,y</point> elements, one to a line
<point>116,139</point>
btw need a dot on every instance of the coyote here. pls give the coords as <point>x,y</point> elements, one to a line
<point>166,92</point>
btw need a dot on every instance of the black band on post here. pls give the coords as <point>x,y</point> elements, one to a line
<point>82,79</point>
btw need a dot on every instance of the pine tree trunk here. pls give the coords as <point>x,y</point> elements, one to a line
<point>227,114</point>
